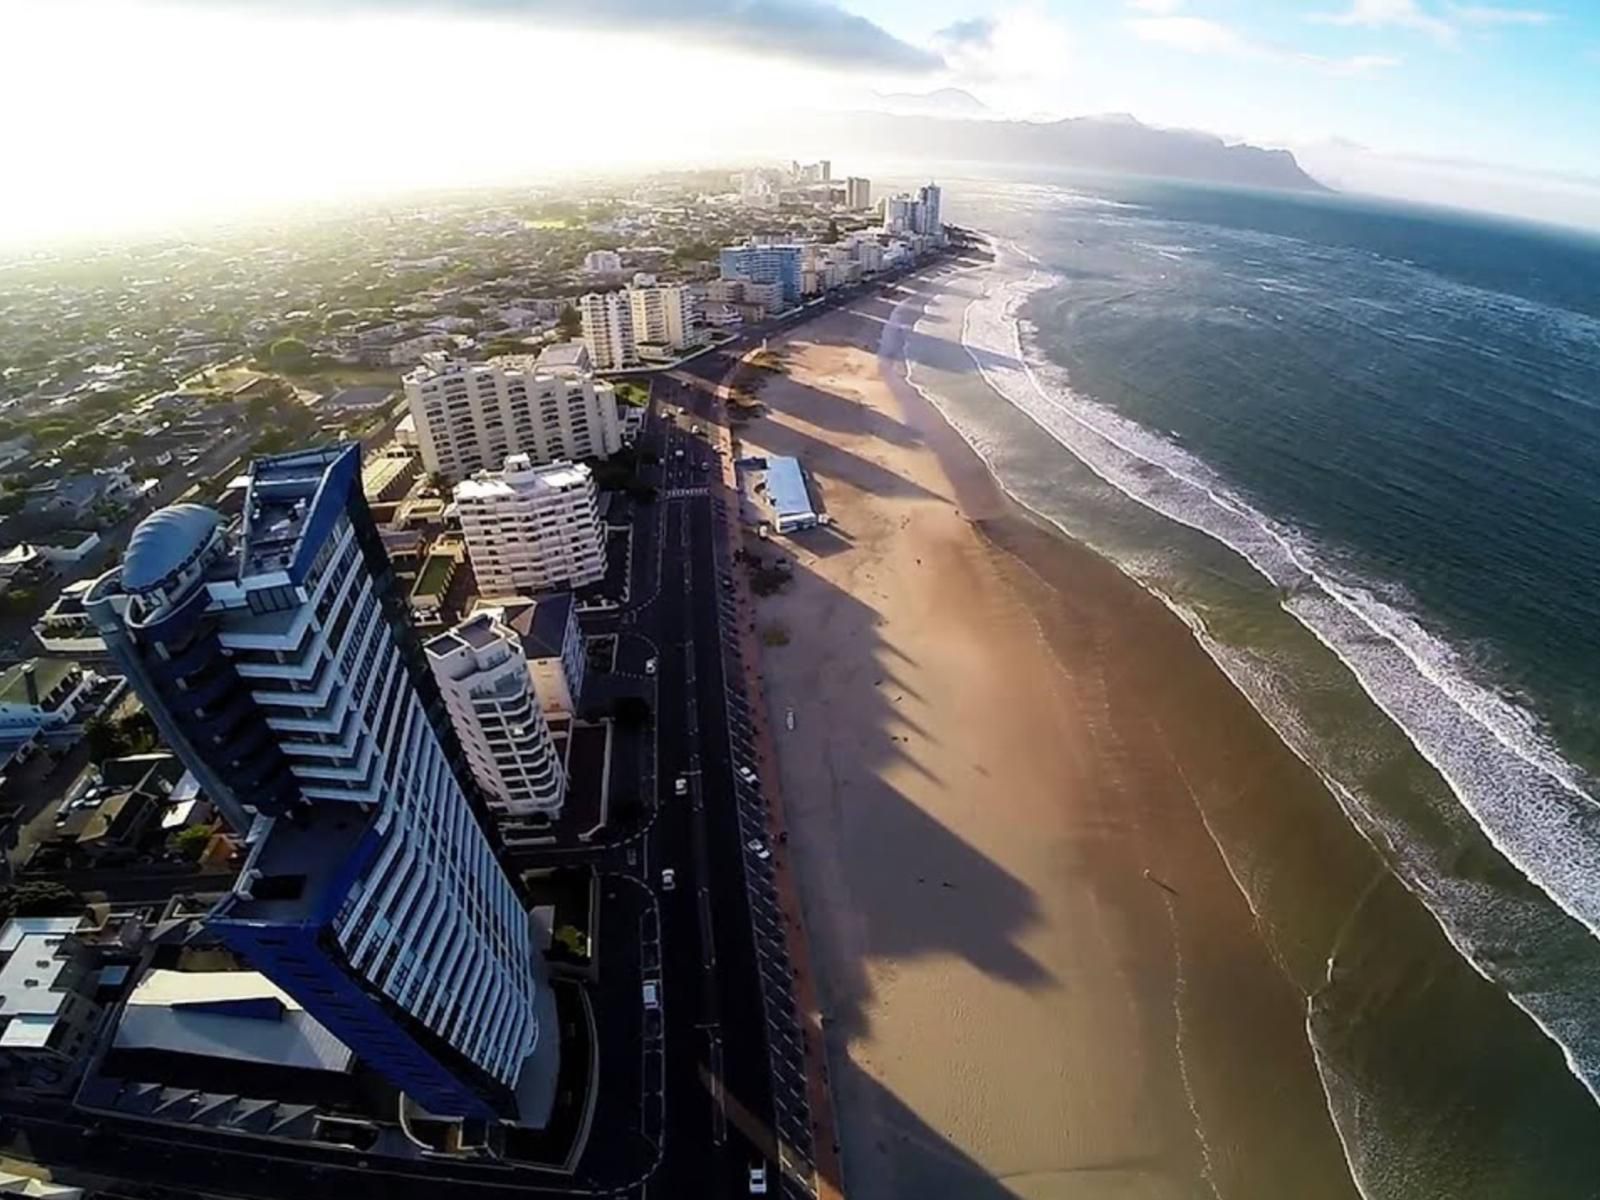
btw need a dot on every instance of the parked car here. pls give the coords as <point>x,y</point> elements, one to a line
<point>669,879</point>
<point>680,786</point>
<point>652,995</point>
<point>650,666</point>
<point>758,1180</point>
<point>757,847</point>
<point>749,776</point>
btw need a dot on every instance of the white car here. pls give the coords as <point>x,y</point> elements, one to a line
<point>652,995</point>
<point>758,1180</point>
<point>649,666</point>
<point>757,847</point>
<point>680,786</point>
<point>669,879</point>
<point>749,776</point>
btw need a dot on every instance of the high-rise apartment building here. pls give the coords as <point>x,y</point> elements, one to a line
<point>764,264</point>
<point>489,693</point>
<point>663,314</point>
<point>470,416</point>
<point>279,664</point>
<point>929,220</point>
<point>857,192</point>
<point>531,529</point>
<point>608,329</point>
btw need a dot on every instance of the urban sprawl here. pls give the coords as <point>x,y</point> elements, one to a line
<point>380,747</point>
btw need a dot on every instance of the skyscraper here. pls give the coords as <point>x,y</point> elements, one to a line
<point>929,220</point>
<point>857,192</point>
<point>281,667</point>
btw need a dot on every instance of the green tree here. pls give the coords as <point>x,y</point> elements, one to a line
<point>191,842</point>
<point>570,323</point>
<point>290,355</point>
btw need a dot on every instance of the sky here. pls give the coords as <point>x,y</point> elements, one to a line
<point>127,113</point>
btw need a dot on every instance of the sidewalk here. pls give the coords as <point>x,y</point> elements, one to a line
<point>824,1135</point>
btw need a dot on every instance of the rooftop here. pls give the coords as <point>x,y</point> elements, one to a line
<point>28,978</point>
<point>290,494</point>
<point>166,543</point>
<point>786,487</point>
<point>235,1015</point>
<point>542,624</point>
<point>48,674</point>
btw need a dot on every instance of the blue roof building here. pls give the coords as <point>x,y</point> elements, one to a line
<point>283,671</point>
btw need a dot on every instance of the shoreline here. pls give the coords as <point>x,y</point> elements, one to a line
<point>1011,559</point>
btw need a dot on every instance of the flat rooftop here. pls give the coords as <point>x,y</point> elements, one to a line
<point>786,487</point>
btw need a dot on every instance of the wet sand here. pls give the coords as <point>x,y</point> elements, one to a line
<point>1037,975</point>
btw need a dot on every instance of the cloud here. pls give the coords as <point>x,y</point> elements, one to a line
<point>1156,8</point>
<point>816,32</point>
<point>1486,14</point>
<point>974,31</point>
<point>1390,14</point>
<point>1198,35</point>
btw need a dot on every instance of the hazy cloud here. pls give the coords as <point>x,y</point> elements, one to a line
<point>974,31</point>
<point>812,31</point>
<point>1157,8</point>
<point>1198,35</point>
<point>1487,14</point>
<point>1391,14</point>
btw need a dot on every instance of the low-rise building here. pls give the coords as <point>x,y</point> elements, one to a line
<point>442,586</point>
<point>47,992</point>
<point>552,642</point>
<point>65,628</point>
<point>489,693</point>
<point>42,695</point>
<point>388,475</point>
<point>532,528</point>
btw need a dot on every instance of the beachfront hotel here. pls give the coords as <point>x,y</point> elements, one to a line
<point>489,693</point>
<point>279,665</point>
<point>470,416</point>
<point>531,528</point>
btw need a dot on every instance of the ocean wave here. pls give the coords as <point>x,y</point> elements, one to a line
<point>1533,805</point>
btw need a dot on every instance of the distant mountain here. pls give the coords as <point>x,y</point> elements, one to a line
<point>944,102</point>
<point>1111,143</point>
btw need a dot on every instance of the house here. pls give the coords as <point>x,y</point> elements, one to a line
<point>111,811</point>
<point>65,627</point>
<point>42,695</point>
<point>79,496</point>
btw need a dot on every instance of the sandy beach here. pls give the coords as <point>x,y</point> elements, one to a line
<point>1036,974</point>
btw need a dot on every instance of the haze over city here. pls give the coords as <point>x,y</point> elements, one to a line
<point>1484,105</point>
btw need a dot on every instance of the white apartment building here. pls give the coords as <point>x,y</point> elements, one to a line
<point>663,314</point>
<point>608,329</point>
<point>489,693</point>
<point>532,529</point>
<point>857,192</point>
<point>602,262</point>
<point>471,416</point>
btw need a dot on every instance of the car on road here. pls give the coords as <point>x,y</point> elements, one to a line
<point>680,786</point>
<point>749,776</point>
<point>652,995</point>
<point>649,666</point>
<point>759,848</point>
<point>669,879</point>
<point>758,1180</point>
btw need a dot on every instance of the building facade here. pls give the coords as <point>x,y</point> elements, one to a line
<point>488,691</point>
<point>529,528</point>
<point>663,314</point>
<point>779,264</point>
<point>470,416</point>
<point>608,329</point>
<point>280,666</point>
<point>857,193</point>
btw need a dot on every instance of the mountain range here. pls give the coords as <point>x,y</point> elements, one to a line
<point>1114,142</point>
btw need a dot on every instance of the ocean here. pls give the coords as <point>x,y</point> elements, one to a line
<point>1356,447</point>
